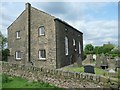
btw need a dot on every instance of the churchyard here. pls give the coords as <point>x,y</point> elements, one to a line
<point>98,64</point>
<point>62,77</point>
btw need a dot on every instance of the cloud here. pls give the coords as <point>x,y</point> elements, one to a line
<point>95,20</point>
<point>63,10</point>
<point>98,32</point>
<point>54,7</point>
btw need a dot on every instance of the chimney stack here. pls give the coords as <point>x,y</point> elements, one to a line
<point>28,27</point>
<point>27,5</point>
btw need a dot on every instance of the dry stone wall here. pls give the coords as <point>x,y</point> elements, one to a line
<point>59,78</point>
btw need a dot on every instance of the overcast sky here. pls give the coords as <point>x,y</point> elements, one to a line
<point>98,21</point>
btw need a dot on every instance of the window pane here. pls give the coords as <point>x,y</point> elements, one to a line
<point>66,46</point>
<point>18,34</point>
<point>42,54</point>
<point>79,48</point>
<point>18,55</point>
<point>74,42</point>
<point>42,30</point>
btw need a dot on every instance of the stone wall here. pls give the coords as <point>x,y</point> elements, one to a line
<point>15,44</point>
<point>30,42</point>
<point>65,30</point>
<point>56,77</point>
<point>47,41</point>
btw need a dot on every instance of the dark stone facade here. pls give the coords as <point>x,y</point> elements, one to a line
<point>53,41</point>
<point>64,30</point>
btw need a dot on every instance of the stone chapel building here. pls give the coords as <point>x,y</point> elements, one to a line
<point>39,39</point>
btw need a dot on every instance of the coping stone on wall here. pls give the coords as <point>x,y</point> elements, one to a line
<point>77,75</point>
<point>91,77</point>
<point>104,79</point>
<point>48,70</point>
<point>59,73</point>
<point>81,75</point>
<point>65,73</point>
<point>55,72</point>
<point>71,74</point>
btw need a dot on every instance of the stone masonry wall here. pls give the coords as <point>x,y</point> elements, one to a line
<point>56,77</point>
<point>64,30</point>
<point>47,41</point>
<point>30,42</point>
<point>15,44</point>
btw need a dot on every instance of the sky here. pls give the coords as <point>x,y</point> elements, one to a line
<point>97,20</point>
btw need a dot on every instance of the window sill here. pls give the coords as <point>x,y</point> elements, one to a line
<point>42,59</point>
<point>41,35</point>
<point>18,38</point>
<point>18,59</point>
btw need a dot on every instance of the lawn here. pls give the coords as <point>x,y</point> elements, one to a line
<point>81,69</point>
<point>97,71</point>
<point>18,82</point>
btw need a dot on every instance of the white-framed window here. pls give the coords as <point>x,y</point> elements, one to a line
<point>18,34</point>
<point>66,46</point>
<point>41,31</point>
<point>79,48</point>
<point>42,54</point>
<point>74,42</point>
<point>17,55</point>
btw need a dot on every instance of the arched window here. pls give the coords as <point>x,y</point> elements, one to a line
<point>79,48</point>
<point>66,46</point>
<point>73,42</point>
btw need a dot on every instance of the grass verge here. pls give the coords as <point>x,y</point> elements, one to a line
<point>18,82</point>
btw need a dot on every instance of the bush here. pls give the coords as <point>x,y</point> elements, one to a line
<point>6,78</point>
<point>5,54</point>
<point>115,55</point>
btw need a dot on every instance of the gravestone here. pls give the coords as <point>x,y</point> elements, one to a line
<point>89,69</point>
<point>117,64</point>
<point>98,61</point>
<point>89,58</point>
<point>111,71</point>
<point>79,61</point>
<point>111,63</point>
<point>94,56</point>
<point>104,64</point>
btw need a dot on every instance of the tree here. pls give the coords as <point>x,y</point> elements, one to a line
<point>89,49</point>
<point>98,49</point>
<point>5,52</point>
<point>107,48</point>
<point>3,41</point>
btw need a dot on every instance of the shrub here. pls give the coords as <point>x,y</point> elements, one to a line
<point>4,78</point>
